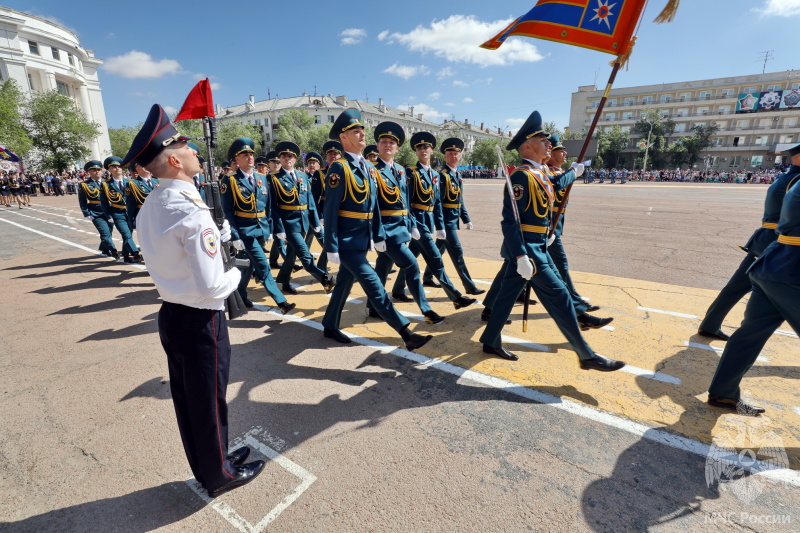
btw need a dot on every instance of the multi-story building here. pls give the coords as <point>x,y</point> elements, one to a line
<point>41,55</point>
<point>470,133</point>
<point>266,114</point>
<point>757,115</point>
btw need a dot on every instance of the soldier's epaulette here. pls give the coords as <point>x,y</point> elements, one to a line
<point>195,199</point>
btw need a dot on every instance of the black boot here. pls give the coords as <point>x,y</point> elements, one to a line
<point>463,301</point>
<point>336,335</point>
<point>288,289</point>
<point>137,258</point>
<point>285,307</point>
<point>413,340</point>
<point>432,317</point>
<point>114,254</point>
<point>587,321</point>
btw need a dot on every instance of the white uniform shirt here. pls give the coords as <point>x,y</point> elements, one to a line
<point>181,246</point>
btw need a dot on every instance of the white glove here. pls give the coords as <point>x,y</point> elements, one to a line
<point>371,245</point>
<point>235,275</point>
<point>578,168</point>
<point>317,229</point>
<point>551,239</point>
<point>239,245</point>
<point>322,222</point>
<point>440,234</point>
<point>268,242</point>
<point>525,267</point>
<point>415,234</point>
<point>225,231</point>
<point>110,220</point>
<point>90,217</point>
<point>380,246</point>
<point>469,225</point>
<point>281,236</point>
<point>334,258</point>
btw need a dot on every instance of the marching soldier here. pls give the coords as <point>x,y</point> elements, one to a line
<point>453,211</point>
<point>776,297</point>
<point>136,191</point>
<point>426,208</point>
<point>226,170</point>
<point>740,283</point>
<point>296,214</point>
<point>89,193</point>
<point>15,185</point>
<point>400,227</point>
<point>525,249</point>
<point>113,202</point>
<point>352,225</point>
<point>278,248</point>
<point>315,177</point>
<point>558,156</point>
<point>371,153</point>
<point>249,207</point>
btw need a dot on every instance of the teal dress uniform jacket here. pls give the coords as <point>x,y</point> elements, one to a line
<point>249,210</point>
<point>112,199</point>
<point>89,193</point>
<point>297,210</point>
<point>136,192</point>
<point>395,215</point>
<point>426,204</point>
<point>452,198</point>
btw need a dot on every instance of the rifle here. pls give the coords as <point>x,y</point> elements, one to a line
<point>234,303</point>
<point>510,189</point>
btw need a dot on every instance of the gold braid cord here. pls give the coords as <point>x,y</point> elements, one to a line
<point>90,193</point>
<point>351,185</point>
<point>391,195</point>
<point>113,196</point>
<point>668,13</point>
<point>242,202</point>
<point>139,195</point>
<point>623,59</point>
<point>285,197</point>
<point>419,189</point>
<point>453,192</point>
<point>543,205</point>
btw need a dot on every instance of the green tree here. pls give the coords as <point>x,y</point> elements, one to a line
<point>122,139</point>
<point>660,129</point>
<point>698,142</point>
<point>611,144</point>
<point>227,132</point>
<point>60,132</point>
<point>484,154</point>
<point>12,131</point>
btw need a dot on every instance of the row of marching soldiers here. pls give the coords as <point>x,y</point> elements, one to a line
<point>356,199</point>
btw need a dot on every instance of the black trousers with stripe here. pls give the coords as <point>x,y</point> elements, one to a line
<point>199,353</point>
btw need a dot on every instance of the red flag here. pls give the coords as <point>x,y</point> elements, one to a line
<point>199,103</point>
<point>603,25</point>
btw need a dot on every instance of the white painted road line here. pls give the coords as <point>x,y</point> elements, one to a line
<point>649,374</point>
<point>786,333</point>
<point>651,310</point>
<point>716,350</point>
<point>525,344</point>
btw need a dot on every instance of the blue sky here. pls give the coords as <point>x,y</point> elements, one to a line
<point>418,53</point>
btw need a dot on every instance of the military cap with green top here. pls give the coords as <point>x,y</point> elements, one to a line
<point>347,120</point>
<point>156,133</point>
<point>423,138</point>
<point>261,160</point>
<point>794,150</point>
<point>112,161</point>
<point>240,146</point>
<point>531,128</point>
<point>555,140</point>
<point>332,146</point>
<point>93,164</point>
<point>453,143</point>
<point>314,156</point>
<point>273,156</point>
<point>226,164</point>
<point>371,149</point>
<point>392,130</point>
<point>287,147</point>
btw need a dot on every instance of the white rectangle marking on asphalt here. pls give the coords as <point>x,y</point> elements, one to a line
<point>786,333</point>
<point>718,351</point>
<point>673,313</point>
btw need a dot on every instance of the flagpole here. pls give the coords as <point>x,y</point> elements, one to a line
<point>617,64</point>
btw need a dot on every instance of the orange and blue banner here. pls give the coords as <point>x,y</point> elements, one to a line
<point>602,25</point>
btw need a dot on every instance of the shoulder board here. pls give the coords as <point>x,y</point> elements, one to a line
<point>195,198</point>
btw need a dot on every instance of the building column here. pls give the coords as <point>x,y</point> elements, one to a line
<point>86,107</point>
<point>49,81</point>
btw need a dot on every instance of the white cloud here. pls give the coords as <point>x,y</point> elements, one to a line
<point>446,72</point>
<point>780,8</point>
<point>407,71</point>
<point>514,124</point>
<point>467,100</point>
<point>352,36</point>
<point>171,110</point>
<point>458,39</point>
<point>449,104</point>
<point>137,64</point>
<point>459,83</point>
<point>424,109</point>
<point>434,96</point>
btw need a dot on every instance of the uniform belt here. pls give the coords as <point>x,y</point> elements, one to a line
<point>249,215</point>
<point>354,214</point>
<point>118,206</point>
<point>395,213</point>
<point>559,210</point>
<point>769,225</point>
<point>293,207</point>
<point>452,206</point>
<point>785,239</point>
<point>534,229</point>
<point>422,207</point>
<point>93,201</point>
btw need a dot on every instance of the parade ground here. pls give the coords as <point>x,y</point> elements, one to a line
<point>371,437</point>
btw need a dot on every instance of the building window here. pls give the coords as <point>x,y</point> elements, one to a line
<point>705,95</point>
<point>756,160</point>
<point>696,124</point>
<point>612,102</point>
<point>56,55</point>
<point>595,104</point>
<point>258,122</point>
<point>761,140</point>
<point>680,127</point>
<point>317,119</point>
<point>610,116</point>
<point>749,90</point>
<point>724,109</point>
<point>684,112</point>
<point>627,115</point>
<point>773,87</point>
<point>34,48</point>
<point>735,160</point>
<point>663,112</point>
<point>736,141</point>
<point>30,82</point>
<point>647,99</point>
<point>666,98</point>
<point>717,141</point>
<point>629,101</point>
<point>785,139</point>
<point>70,59</point>
<point>790,122</point>
<point>330,119</point>
<point>796,86</point>
<point>685,96</point>
<point>727,93</point>
<point>702,111</point>
<point>62,88</point>
<point>741,124</point>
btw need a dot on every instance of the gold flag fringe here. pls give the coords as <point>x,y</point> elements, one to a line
<point>668,13</point>
<point>623,59</point>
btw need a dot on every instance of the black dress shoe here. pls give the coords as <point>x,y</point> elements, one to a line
<point>137,258</point>
<point>247,303</point>
<point>718,335</point>
<point>592,322</point>
<point>432,317</point>
<point>487,313</point>
<point>288,289</point>
<point>463,301</point>
<point>285,307</point>
<point>297,268</point>
<point>237,457</point>
<point>393,271</point>
<point>592,308</point>
<point>372,313</point>
<point>127,258</point>
<point>603,364</point>
<point>328,283</point>
<point>414,340</point>
<point>430,283</point>
<point>476,291</point>
<point>401,297</point>
<point>114,254</point>
<point>242,476</point>
<point>336,335</point>
<point>735,405</point>
<point>500,352</point>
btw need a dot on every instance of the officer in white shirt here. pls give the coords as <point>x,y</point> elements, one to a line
<point>181,242</point>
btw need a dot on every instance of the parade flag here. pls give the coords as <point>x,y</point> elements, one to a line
<point>8,155</point>
<point>199,103</point>
<point>602,25</point>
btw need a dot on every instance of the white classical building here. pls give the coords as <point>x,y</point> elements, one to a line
<point>42,56</point>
